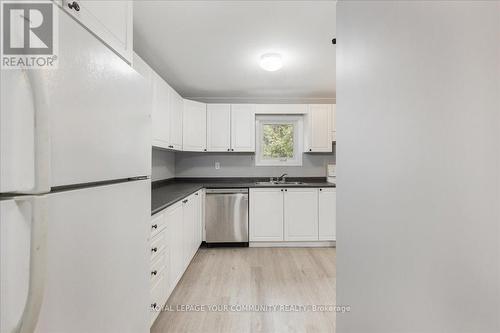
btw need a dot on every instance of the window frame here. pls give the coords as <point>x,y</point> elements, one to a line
<point>298,135</point>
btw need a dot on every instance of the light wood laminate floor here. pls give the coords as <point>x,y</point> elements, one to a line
<point>258,276</point>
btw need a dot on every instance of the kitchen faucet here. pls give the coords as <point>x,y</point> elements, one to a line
<point>282,178</point>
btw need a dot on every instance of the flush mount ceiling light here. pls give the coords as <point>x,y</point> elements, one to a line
<point>271,62</point>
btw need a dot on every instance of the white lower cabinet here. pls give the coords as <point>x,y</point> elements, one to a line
<point>292,214</point>
<point>188,229</point>
<point>175,221</point>
<point>327,214</point>
<point>301,214</point>
<point>266,214</point>
<point>158,295</point>
<point>176,236</point>
<point>159,268</point>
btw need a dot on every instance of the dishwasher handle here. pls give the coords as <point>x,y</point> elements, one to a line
<point>226,190</point>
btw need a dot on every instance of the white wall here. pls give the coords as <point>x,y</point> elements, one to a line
<point>243,165</point>
<point>163,165</point>
<point>418,132</point>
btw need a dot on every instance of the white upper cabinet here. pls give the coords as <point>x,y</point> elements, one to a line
<point>161,112</point>
<point>327,214</point>
<point>176,110</point>
<point>218,127</point>
<point>319,128</point>
<point>110,20</point>
<point>243,127</point>
<point>167,108</point>
<point>194,126</point>
<point>231,127</point>
<point>301,214</point>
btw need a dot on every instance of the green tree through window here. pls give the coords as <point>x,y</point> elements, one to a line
<point>278,141</point>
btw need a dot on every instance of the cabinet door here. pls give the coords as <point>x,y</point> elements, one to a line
<point>176,107</point>
<point>266,214</point>
<point>301,214</point>
<point>161,113</point>
<point>189,211</point>
<point>110,20</point>
<point>319,131</point>
<point>243,127</point>
<point>194,126</point>
<point>199,220</point>
<point>218,127</point>
<point>175,227</point>
<point>327,214</point>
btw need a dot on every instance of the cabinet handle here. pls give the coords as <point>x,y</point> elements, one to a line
<point>154,249</point>
<point>184,201</point>
<point>228,149</point>
<point>196,193</point>
<point>286,190</point>
<point>321,189</point>
<point>205,149</point>
<point>153,306</point>
<point>232,149</point>
<point>281,190</point>
<point>154,272</point>
<point>310,150</point>
<point>154,226</point>
<point>74,5</point>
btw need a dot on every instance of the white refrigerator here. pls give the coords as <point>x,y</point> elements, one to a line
<point>75,163</point>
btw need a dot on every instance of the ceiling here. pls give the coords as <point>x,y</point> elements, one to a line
<point>210,50</point>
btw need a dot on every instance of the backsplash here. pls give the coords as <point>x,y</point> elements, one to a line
<point>168,164</point>
<point>243,165</point>
<point>163,164</point>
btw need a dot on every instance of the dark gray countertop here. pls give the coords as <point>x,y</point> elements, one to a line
<point>167,192</point>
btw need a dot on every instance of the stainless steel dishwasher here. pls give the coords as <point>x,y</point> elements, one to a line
<point>226,217</point>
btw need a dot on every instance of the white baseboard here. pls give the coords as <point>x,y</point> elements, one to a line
<point>293,244</point>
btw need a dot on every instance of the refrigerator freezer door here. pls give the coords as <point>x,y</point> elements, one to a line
<point>100,112</point>
<point>24,138</point>
<point>97,256</point>
<point>97,110</point>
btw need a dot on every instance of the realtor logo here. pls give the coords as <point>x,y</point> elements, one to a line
<point>29,34</point>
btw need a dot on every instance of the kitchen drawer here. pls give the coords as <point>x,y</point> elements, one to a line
<point>158,266</point>
<point>158,295</point>
<point>158,243</point>
<point>158,223</point>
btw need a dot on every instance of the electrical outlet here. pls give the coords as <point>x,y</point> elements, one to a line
<point>217,165</point>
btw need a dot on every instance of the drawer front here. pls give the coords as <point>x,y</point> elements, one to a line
<point>158,223</point>
<point>158,296</point>
<point>158,244</point>
<point>158,267</point>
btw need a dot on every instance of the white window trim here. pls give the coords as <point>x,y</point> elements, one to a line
<point>298,135</point>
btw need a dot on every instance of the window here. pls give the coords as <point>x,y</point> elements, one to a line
<point>279,140</point>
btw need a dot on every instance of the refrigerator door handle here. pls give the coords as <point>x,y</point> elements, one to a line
<point>42,132</point>
<point>37,265</point>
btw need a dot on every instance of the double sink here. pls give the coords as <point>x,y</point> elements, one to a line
<point>279,183</point>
